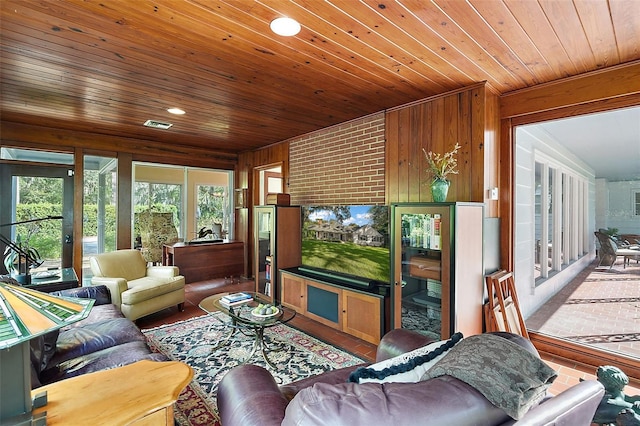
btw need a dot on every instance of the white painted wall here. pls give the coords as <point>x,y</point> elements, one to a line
<point>614,208</point>
<point>602,203</point>
<point>531,140</point>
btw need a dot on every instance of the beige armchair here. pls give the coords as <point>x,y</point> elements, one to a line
<point>138,290</point>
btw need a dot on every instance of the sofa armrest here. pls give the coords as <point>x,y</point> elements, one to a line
<point>574,406</point>
<point>163,271</point>
<point>116,287</point>
<point>248,395</point>
<point>399,341</point>
<point>100,293</point>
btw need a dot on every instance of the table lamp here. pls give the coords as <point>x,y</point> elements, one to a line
<point>25,314</point>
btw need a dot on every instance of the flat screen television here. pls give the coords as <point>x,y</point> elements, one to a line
<point>347,242</point>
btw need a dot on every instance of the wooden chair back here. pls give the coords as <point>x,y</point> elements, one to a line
<point>503,312</point>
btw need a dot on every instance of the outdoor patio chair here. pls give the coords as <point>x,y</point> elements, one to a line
<point>609,251</point>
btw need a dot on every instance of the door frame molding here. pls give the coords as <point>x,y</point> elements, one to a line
<point>599,91</point>
<point>21,168</point>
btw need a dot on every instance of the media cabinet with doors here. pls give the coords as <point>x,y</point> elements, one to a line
<point>437,271</point>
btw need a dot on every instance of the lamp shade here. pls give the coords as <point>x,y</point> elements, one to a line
<point>26,313</point>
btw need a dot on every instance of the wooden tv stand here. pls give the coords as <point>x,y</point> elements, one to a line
<point>204,261</point>
<point>356,312</point>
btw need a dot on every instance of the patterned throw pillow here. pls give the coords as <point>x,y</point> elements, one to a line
<point>405,368</point>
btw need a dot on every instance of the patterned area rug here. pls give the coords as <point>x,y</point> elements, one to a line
<point>298,356</point>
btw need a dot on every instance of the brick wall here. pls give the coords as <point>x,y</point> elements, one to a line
<point>343,164</point>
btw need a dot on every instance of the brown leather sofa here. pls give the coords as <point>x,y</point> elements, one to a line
<point>248,395</point>
<point>103,340</point>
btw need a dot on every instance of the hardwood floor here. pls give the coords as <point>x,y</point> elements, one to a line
<point>569,373</point>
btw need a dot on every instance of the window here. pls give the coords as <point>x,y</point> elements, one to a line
<point>212,206</point>
<point>560,210</point>
<point>36,156</point>
<point>99,209</point>
<point>159,197</point>
<point>636,202</point>
<point>198,198</point>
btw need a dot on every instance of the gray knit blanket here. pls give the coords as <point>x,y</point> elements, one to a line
<point>509,376</point>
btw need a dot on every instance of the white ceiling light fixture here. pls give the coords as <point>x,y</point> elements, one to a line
<point>176,111</point>
<point>285,26</point>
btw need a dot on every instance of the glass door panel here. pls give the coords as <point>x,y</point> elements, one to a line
<point>421,281</point>
<point>264,227</point>
<point>42,197</point>
<point>161,198</point>
<point>419,302</point>
<point>211,210</point>
<point>99,209</point>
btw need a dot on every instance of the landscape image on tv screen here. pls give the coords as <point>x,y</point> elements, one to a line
<point>348,239</point>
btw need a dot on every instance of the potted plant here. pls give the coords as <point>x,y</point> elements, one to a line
<point>438,168</point>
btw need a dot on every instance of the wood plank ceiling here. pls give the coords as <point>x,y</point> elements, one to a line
<point>107,66</point>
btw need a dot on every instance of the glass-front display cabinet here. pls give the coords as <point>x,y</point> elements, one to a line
<point>277,245</point>
<point>264,239</point>
<point>438,268</point>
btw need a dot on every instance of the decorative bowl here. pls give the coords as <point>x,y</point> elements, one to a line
<point>255,313</point>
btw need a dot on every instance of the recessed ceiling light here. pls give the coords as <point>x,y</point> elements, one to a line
<point>157,124</point>
<point>285,26</point>
<point>176,111</point>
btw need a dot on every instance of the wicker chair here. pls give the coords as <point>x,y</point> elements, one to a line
<point>609,251</point>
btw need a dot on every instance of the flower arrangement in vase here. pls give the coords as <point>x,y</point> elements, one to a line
<point>438,168</point>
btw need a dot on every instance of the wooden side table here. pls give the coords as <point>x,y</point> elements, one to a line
<point>198,262</point>
<point>141,393</point>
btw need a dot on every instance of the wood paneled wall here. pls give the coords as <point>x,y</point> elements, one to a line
<point>125,149</point>
<point>467,117</point>
<point>28,135</point>
<point>124,205</point>
<point>249,163</point>
<point>572,94</point>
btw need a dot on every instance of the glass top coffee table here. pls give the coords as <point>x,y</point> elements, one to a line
<point>244,321</point>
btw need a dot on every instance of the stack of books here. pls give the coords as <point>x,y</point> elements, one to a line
<point>234,299</point>
<point>267,275</point>
<point>431,238</point>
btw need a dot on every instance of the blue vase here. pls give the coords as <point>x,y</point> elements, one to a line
<point>439,190</point>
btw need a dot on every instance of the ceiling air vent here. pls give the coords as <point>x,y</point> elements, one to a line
<point>157,124</point>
